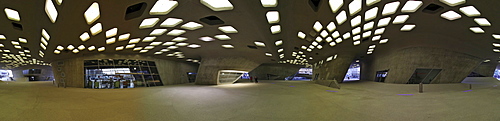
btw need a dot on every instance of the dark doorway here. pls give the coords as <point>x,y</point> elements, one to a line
<point>380,75</point>
<point>191,77</point>
<point>424,76</point>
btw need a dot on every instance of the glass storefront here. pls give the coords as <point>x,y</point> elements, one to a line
<point>120,73</point>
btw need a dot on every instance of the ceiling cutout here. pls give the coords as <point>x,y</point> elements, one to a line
<point>135,11</point>
<point>212,20</point>
<point>314,4</point>
<point>432,8</point>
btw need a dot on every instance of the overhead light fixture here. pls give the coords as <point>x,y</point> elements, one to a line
<point>130,46</point>
<point>357,37</point>
<point>206,39</point>
<point>379,31</point>
<point>333,44</point>
<point>96,29</point>
<point>273,17</point>
<point>331,27</point>
<point>101,49</point>
<point>158,53</point>
<point>191,26</point>
<point>400,19</point>
<point>181,44</point>
<point>411,6</point>
<point>371,14</point>
<point>12,14</point>
<point>335,34</point>
<point>148,23</point>
<point>172,47</point>
<point>384,22</point>
<point>157,32</point>
<point>496,44</point>
<point>355,7</point>
<point>143,51</point>
<point>482,21</point>
<point>92,13</point>
<point>496,36</point>
<point>269,54</point>
<point>137,49</point>
<point>133,41</point>
<point>148,39</point>
<point>376,38</point>
<point>3,37</point>
<point>341,17</point>
<point>194,46</point>
<point>407,27</point>
<point>451,15</point>
<point>372,46</point>
<point>163,7</point>
<point>384,41</point>
<point>176,32</point>
<point>81,47</point>
<point>356,43</point>
<point>228,46</point>
<point>75,51</point>
<point>51,11</point>
<point>45,34</point>
<point>171,22</point>
<point>218,5</point>
<point>124,37</point>
<point>169,43</point>
<point>85,36</point>
<point>323,33</point>
<point>278,43</point>
<point>329,39</point>
<point>371,2</point>
<point>470,11</point>
<point>368,26</point>
<point>367,34</point>
<point>477,30</point>
<point>335,5</point>
<point>57,52</point>
<point>222,37</point>
<point>338,40</point>
<point>347,35</point>
<point>155,43</point>
<point>228,29</point>
<point>269,3</point>
<point>301,35</point>
<point>14,43</point>
<point>22,40</point>
<point>261,44</point>
<point>164,50</point>
<point>314,44</point>
<point>317,26</point>
<point>390,8</point>
<point>59,47</point>
<point>91,48</point>
<point>70,47</point>
<point>303,47</point>
<point>111,32</point>
<point>179,39</point>
<point>356,21</point>
<point>280,50</point>
<point>110,40</point>
<point>149,47</point>
<point>275,29</point>
<point>453,3</point>
<point>356,31</point>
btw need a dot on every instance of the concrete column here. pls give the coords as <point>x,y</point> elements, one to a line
<point>279,71</point>
<point>209,68</point>
<point>486,69</point>
<point>335,69</point>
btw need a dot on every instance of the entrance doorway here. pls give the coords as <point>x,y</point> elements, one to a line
<point>380,75</point>
<point>424,76</point>
<point>353,73</point>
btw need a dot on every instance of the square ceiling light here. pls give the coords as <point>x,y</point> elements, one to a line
<point>275,29</point>
<point>51,11</point>
<point>278,43</point>
<point>273,17</point>
<point>301,35</point>
<point>333,44</point>
<point>206,39</point>
<point>451,15</point>
<point>477,30</point>
<point>111,32</point>
<point>57,52</point>
<point>357,37</point>
<point>356,21</point>
<point>379,31</point>
<point>367,34</point>
<point>355,7</point>
<point>356,30</point>
<point>171,22</point>
<point>91,48</point>
<point>482,21</point>
<point>218,5</point>
<point>59,47</point>
<point>44,42</point>
<point>148,39</point>
<point>323,33</point>
<point>470,11</point>
<point>110,40</point>
<point>317,26</point>
<point>408,27</point>
<point>319,39</point>
<point>371,2</point>
<point>368,26</point>
<point>335,34</point>
<point>400,19</point>
<point>260,44</point>
<point>148,23</point>
<point>331,27</point>
<point>384,41</point>
<point>347,35</point>
<point>411,6</point>
<point>328,39</point>
<point>81,47</point>
<point>228,29</point>
<point>335,5</point>
<point>133,41</point>
<point>371,14</point>
<point>390,8</point>
<point>157,32</point>
<point>75,51</point>
<point>191,26</point>
<point>176,32</point>
<point>280,50</point>
<point>92,13</point>
<point>96,29</point>
<point>228,46</point>
<point>100,49</point>
<point>3,37</point>
<point>341,17</point>
<point>124,37</point>
<point>70,47</point>
<point>163,7</point>
<point>179,39</point>
<point>84,37</point>
<point>384,22</point>
<point>453,3</point>
<point>222,37</point>
<point>269,3</point>
<point>12,14</point>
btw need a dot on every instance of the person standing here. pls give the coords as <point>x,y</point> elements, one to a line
<point>256,81</point>
<point>251,79</point>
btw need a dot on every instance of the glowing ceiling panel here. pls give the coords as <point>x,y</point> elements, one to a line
<point>400,19</point>
<point>384,41</point>
<point>331,27</point>
<point>92,13</point>
<point>218,5</point>
<point>228,46</point>
<point>477,30</point>
<point>124,37</point>
<point>12,14</point>
<point>356,21</point>
<point>451,15</point>
<point>191,26</point>
<point>269,3</point>
<point>275,29</point>
<point>379,31</point>
<point>390,8</point>
<point>384,22</point>
<point>51,11</point>
<point>301,35</point>
<point>335,5</point>
<point>371,14</point>
<point>411,6</point>
<point>176,32</point>
<point>148,23</point>
<point>111,32</point>
<point>228,29</point>
<point>171,22</point>
<point>355,7</point>
<point>163,7</point>
<point>222,37</point>
<point>96,29</point>
<point>273,17</point>
<point>482,21</point>
<point>408,27</point>
<point>371,2</point>
<point>317,26</point>
<point>341,17</point>
<point>470,11</point>
<point>453,2</point>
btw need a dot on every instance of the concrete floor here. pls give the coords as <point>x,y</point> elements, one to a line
<point>267,100</point>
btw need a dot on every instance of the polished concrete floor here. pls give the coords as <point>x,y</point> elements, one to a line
<point>267,100</point>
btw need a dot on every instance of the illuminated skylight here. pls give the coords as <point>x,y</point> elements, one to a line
<point>22,40</point>
<point>453,2</point>
<point>101,49</point>
<point>319,39</point>
<point>355,7</point>
<point>75,51</point>
<point>324,33</point>
<point>96,29</point>
<point>110,40</point>
<point>356,21</point>
<point>331,27</point>
<point>81,47</point>
<point>148,23</point>
<point>273,17</point>
<point>206,39</point>
<point>176,32</point>
<point>168,43</point>
<point>335,34</point>
<point>496,36</point>
<point>367,34</point>
<point>379,31</point>
<point>57,52</point>
<point>269,3</point>
<point>111,32</point>
<point>384,41</point>
<point>269,54</point>
<point>157,32</point>
<point>371,2</point>
<point>368,25</point>
<point>470,11</point>
<point>411,6</point>
<point>341,17</point>
<point>400,19</point>
<point>192,26</point>
<point>347,35</point>
<point>136,40</point>
<point>357,37</point>
<point>3,37</point>
<point>356,30</point>
<point>51,11</point>
<point>163,7</point>
<point>123,37</point>
<point>329,39</point>
<point>371,14</point>
<point>261,44</point>
<point>482,21</point>
<point>335,5</point>
<point>91,48</point>
<point>194,46</point>
<point>275,29</point>
<point>59,47</point>
<point>172,47</point>
<point>278,43</point>
<point>222,37</point>
<point>333,44</point>
<point>228,46</point>
<point>228,29</point>
<point>218,5</point>
<point>407,28</point>
<point>92,13</point>
<point>301,35</point>
<point>317,26</point>
<point>70,47</point>
<point>171,22</point>
<point>390,8</point>
<point>45,34</point>
<point>384,22</point>
<point>148,39</point>
<point>356,42</point>
<point>179,39</point>
<point>451,15</point>
<point>477,30</point>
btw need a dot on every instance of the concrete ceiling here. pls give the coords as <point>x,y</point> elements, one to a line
<point>249,18</point>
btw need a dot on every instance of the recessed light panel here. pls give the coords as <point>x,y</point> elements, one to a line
<point>155,43</point>
<point>157,32</point>
<point>100,49</point>
<point>143,51</point>
<point>451,15</point>
<point>331,27</point>
<point>85,36</point>
<point>390,8</point>
<point>335,5</point>
<point>261,44</point>
<point>346,35</point>
<point>75,51</point>
<point>137,48</point>
<point>22,40</point>
<point>192,26</point>
<point>194,46</point>
<point>111,32</point>
<point>301,35</point>
<point>335,34</point>
<point>356,30</point>
<point>371,2</point>
<point>228,29</point>
<point>81,47</point>
<point>168,43</point>
<point>317,26</point>
<point>482,21</point>
<point>163,7</point>
<point>400,19</point>
<point>477,30</point>
<point>379,31</point>
<point>59,47</point>
<point>411,6</point>
<point>57,52</point>
<point>222,37</point>
<point>496,36</point>
<point>181,44</point>
<point>3,37</point>
<point>470,11</point>
<point>356,21</point>
<point>453,3</point>
<point>70,47</point>
<point>51,11</point>
<point>110,40</point>
<point>206,39</point>
<point>273,17</point>
<point>341,17</point>
<point>130,46</point>
<point>384,41</point>
<point>324,33</point>
<point>275,29</point>
<point>355,7</point>
<point>148,23</point>
<point>357,37</point>
<point>356,42</point>
<point>92,13</point>
<point>367,34</point>
<point>133,41</point>
<point>171,22</point>
<point>406,28</point>
<point>228,46</point>
<point>269,54</point>
<point>269,3</point>
<point>96,29</point>
<point>91,48</point>
<point>44,42</point>
<point>329,39</point>
<point>12,14</point>
<point>368,26</point>
<point>45,34</point>
<point>149,47</point>
<point>179,39</point>
<point>384,22</point>
<point>124,37</point>
<point>333,44</point>
<point>176,32</point>
<point>278,43</point>
<point>148,39</point>
<point>218,5</point>
<point>371,14</point>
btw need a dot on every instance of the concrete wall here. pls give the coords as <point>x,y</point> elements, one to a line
<point>171,72</point>
<point>209,68</point>
<point>279,70</point>
<point>401,64</point>
<point>335,69</point>
<point>486,69</point>
<point>46,72</point>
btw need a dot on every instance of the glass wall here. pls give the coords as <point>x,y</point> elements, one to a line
<point>120,73</point>
<point>353,73</point>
